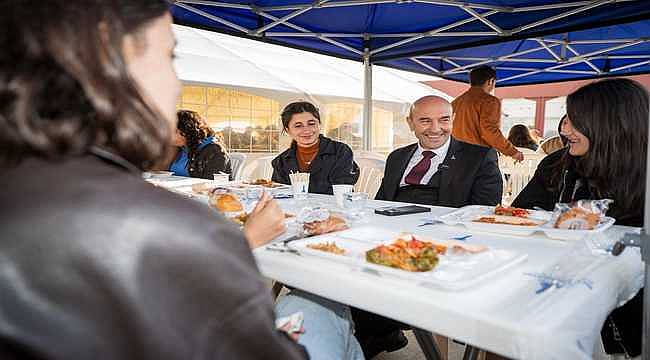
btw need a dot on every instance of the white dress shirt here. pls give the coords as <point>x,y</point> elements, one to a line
<point>441,154</point>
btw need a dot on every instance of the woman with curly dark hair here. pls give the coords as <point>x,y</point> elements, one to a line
<point>201,153</point>
<point>520,137</point>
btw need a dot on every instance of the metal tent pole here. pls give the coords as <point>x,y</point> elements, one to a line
<point>367,98</point>
<point>645,255</point>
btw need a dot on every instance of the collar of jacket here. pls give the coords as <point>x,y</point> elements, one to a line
<point>477,90</point>
<point>454,149</point>
<point>114,159</point>
<point>325,146</point>
<point>572,181</point>
<point>193,153</point>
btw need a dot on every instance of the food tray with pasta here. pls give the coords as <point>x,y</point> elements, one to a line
<point>445,264</point>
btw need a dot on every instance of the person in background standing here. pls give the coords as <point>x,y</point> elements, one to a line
<point>477,114</point>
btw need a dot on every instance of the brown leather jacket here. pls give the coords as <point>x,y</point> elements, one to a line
<point>98,264</point>
<point>477,120</point>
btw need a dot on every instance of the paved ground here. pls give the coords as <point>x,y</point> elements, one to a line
<point>412,351</point>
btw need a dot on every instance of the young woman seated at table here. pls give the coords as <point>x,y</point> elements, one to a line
<point>607,131</point>
<point>200,154</point>
<point>328,162</point>
<point>103,262</point>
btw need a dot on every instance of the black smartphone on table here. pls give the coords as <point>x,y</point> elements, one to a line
<point>401,210</point>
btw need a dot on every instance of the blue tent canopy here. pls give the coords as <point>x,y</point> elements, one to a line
<point>527,41</point>
<point>608,51</point>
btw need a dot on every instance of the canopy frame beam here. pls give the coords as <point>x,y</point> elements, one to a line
<point>556,63</point>
<point>501,58</point>
<point>324,38</point>
<point>213,17</point>
<point>561,16</point>
<point>425,65</point>
<point>586,61</point>
<point>378,36</point>
<point>282,20</point>
<point>484,20</point>
<point>576,7</point>
<point>430,33</point>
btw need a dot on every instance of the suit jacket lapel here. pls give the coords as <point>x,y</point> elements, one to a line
<point>395,176</point>
<point>449,167</point>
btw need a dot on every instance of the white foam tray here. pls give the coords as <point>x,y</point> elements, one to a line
<point>453,272</point>
<point>466,215</point>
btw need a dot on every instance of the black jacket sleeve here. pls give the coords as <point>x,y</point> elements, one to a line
<point>537,192</point>
<point>210,160</point>
<point>280,174</point>
<point>216,162</point>
<point>381,193</point>
<point>488,183</point>
<point>345,170</point>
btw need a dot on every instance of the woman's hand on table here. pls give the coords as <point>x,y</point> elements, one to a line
<point>265,222</point>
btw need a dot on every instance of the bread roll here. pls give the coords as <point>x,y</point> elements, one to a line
<point>226,203</point>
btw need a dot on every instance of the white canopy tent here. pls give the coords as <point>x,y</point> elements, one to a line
<point>285,74</point>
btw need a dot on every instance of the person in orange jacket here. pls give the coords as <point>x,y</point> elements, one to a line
<point>477,114</point>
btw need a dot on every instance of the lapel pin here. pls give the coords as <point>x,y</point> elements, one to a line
<point>453,157</point>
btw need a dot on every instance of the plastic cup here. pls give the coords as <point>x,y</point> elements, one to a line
<point>254,192</point>
<point>354,204</point>
<point>300,190</point>
<point>339,191</point>
<point>220,179</point>
<point>300,185</point>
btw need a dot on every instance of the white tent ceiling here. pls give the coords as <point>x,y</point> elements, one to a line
<point>286,74</point>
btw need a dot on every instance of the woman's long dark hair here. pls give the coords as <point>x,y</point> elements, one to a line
<point>519,136</point>
<point>64,84</point>
<point>193,128</point>
<point>613,115</point>
<point>563,138</point>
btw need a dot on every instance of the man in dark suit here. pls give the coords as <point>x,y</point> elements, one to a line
<point>437,170</point>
